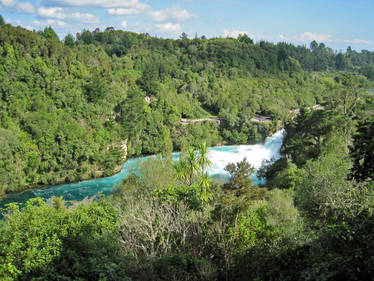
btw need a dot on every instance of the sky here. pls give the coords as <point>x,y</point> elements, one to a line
<point>337,23</point>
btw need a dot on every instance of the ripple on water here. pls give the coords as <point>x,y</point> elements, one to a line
<point>219,156</point>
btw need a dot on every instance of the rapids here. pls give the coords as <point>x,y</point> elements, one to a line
<point>219,156</point>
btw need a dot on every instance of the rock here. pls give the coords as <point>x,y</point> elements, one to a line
<point>124,148</point>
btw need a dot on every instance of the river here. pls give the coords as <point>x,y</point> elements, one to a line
<point>219,156</point>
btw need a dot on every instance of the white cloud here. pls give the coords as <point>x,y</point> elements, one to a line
<point>60,14</point>
<point>85,18</point>
<point>8,3</point>
<point>234,33</point>
<point>309,36</point>
<point>124,24</point>
<point>50,22</point>
<point>59,23</point>
<point>25,7</point>
<point>176,13</point>
<point>282,38</point>
<point>138,9</point>
<point>158,15</point>
<point>169,27</point>
<point>363,41</point>
<point>56,13</point>
<point>340,40</point>
<point>92,3</point>
<point>21,7</point>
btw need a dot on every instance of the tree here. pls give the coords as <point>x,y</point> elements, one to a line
<point>69,41</point>
<point>203,159</point>
<point>314,46</point>
<point>96,88</point>
<point>10,174</point>
<point>133,119</point>
<point>239,175</point>
<point>340,62</point>
<point>322,192</point>
<point>44,242</point>
<point>362,152</point>
<point>244,38</point>
<point>346,92</point>
<point>148,80</point>
<point>307,133</point>
<point>87,37</point>
<point>183,35</point>
<point>49,33</point>
<point>157,172</point>
<point>205,183</point>
<point>151,228</point>
<point>2,22</point>
<point>187,167</point>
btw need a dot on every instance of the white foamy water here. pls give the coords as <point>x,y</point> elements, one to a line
<point>255,155</point>
<point>219,156</point>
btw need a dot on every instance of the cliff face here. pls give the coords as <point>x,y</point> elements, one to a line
<point>124,148</point>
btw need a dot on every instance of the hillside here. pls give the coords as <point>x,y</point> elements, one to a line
<point>67,109</point>
<point>74,110</point>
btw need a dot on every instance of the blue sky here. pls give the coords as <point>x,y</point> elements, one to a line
<point>337,23</point>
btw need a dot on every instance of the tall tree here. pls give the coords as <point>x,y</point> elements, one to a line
<point>340,62</point>
<point>96,88</point>
<point>362,152</point>
<point>49,33</point>
<point>203,159</point>
<point>192,165</point>
<point>87,37</point>
<point>240,175</point>
<point>133,119</point>
<point>69,40</point>
<point>2,22</point>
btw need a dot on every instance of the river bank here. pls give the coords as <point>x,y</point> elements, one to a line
<point>98,174</point>
<point>220,157</point>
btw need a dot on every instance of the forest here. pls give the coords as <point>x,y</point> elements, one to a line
<point>68,106</point>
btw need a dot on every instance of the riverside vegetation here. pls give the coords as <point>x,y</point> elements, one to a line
<point>66,108</point>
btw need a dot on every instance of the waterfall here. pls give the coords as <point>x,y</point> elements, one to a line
<point>219,156</point>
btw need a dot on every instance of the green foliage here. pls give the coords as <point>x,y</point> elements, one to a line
<point>67,109</point>
<point>362,152</point>
<point>307,135</point>
<point>2,22</point>
<point>184,267</point>
<point>157,172</point>
<point>49,33</point>
<point>53,243</point>
<point>96,87</point>
<point>71,108</point>
<point>203,159</point>
<point>321,189</point>
<point>281,213</point>
<point>239,175</point>
<point>249,229</point>
<point>69,40</point>
<point>87,37</point>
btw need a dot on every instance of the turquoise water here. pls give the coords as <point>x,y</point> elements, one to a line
<point>220,157</point>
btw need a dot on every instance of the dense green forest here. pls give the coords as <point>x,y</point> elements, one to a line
<point>68,108</point>
<point>313,220</point>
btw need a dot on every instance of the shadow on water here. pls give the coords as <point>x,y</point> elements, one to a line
<point>219,156</point>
